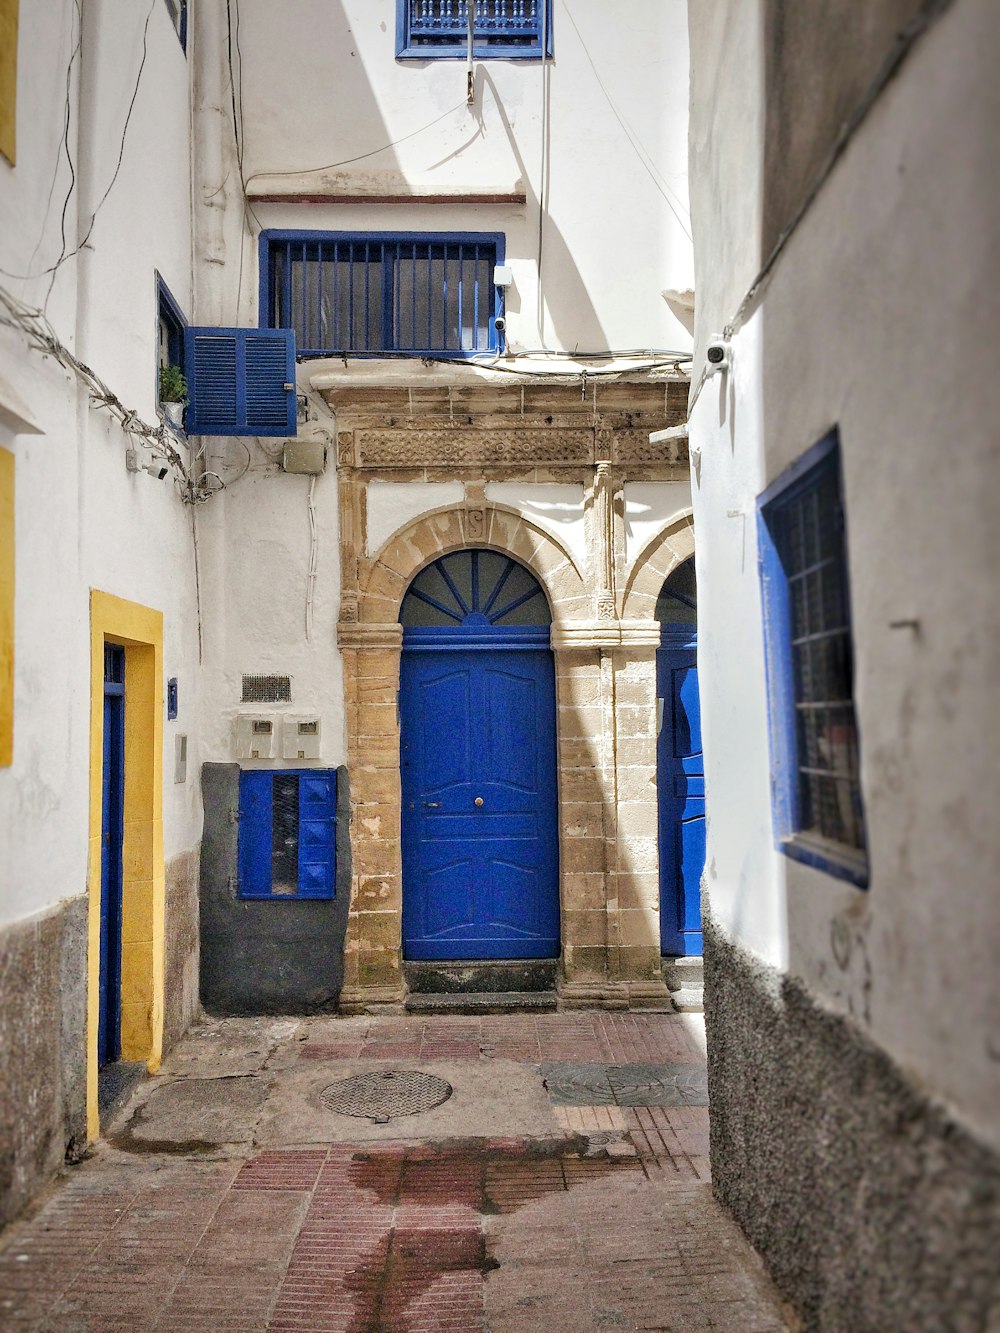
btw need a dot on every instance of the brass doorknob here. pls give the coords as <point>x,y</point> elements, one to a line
<point>479,800</point>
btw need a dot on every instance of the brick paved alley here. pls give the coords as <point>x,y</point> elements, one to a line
<point>563,1185</point>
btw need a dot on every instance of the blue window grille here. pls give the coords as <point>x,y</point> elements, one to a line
<point>816,786</point>
<point>240,381</point>
<point>389,293</point>
<point>502,29</point>
<point>287,839</point>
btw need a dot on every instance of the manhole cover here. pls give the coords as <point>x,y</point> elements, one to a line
<point>386,1094</point>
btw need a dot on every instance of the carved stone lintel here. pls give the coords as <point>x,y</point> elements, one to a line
<point>458,447</point>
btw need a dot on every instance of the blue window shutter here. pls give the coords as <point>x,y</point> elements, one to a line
<point>236,381</point>
<point>317,830</point>
<point>255,834</point>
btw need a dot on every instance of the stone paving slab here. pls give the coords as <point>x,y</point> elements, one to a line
<point>508,1230</point>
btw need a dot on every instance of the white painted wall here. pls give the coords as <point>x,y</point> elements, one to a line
<point>874,319</point>
<point>82,521</point>
<point>324,86</point>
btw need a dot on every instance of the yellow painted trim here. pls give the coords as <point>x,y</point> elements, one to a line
<point>6,607</point>
<point>140,630</point>
<point>8,79</point>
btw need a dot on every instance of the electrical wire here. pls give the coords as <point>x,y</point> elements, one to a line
<point>347,161</point>
<point>640,151</point>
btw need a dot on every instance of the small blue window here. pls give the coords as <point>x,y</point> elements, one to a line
<point>170,331</point>
<point>287,840</point>
<point>430,294</point>
<point>501,29</point>
<point>816,784</point>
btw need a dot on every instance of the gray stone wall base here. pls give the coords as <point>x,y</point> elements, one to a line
<point>181,947</point>
<point>266,957</point>
<point>43,1093</point>
<point>873,1208</point>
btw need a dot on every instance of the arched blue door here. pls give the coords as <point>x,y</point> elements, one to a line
<point>680,765</point>
<point>478,763</point>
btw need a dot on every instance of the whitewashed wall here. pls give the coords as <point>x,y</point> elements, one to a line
<point>324,86</point>
<point>82,521</point>
<point>873,319</point>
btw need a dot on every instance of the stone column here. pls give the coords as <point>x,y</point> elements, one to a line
<point>373,950</point>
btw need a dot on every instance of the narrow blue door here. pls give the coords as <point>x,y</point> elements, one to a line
<point>113,797</point>
<point>478,763</point>
<point>681,783</point>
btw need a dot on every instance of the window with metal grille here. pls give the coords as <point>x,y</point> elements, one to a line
<point>819,815</point>
<point>501,29</point>
<point>411,295</point>
<point>287,839</point>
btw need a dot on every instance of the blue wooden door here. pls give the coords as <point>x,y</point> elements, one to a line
<point>113,796</point>
<point>478,763</point>
<point>681,785</point>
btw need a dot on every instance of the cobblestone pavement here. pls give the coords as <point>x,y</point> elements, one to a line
<point>599,1220</point>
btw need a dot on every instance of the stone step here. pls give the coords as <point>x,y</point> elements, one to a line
<point>481,1002</point>
<point>477,978</point>
<point>684,978</point>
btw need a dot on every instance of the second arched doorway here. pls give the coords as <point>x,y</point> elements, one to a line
<point>680,766</point>
<point>478,763</point>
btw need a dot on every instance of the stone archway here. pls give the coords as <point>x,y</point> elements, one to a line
<point>371,646</point>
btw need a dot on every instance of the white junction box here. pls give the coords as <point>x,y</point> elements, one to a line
<point>300,736</point>
<point>256,736</point>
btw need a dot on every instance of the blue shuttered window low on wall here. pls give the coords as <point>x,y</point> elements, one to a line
<point>816,782</point>
<point>287,842</point>
<point>430,294</point>
<point>502,29</point>
<point>240,381</point>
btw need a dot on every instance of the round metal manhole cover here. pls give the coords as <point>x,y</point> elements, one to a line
<point>386,1094</point>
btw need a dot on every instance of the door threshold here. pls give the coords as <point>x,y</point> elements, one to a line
<point>116,1083</point>
<point>482,1002</point>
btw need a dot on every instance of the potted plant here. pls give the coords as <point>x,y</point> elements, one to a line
<point>173,393</point>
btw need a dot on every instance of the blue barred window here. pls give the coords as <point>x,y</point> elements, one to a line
<point>502,29</point>
<point>818,810</point>
<point>287,837</point>
<point>387,293</point>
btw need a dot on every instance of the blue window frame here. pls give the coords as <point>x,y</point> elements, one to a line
<point>816,786</point>
<point>170,331</point>
<point>502,29</point>
<point>178,11</point>
<point>390,293</point>
<point>287,840</point>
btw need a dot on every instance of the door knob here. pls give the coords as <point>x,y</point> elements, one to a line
<point>479,800</point>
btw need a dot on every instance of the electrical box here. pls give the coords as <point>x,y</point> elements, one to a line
<point>503,276</point>
<point>304,456</point>
<point>256,736</point>
<point>300,736</point>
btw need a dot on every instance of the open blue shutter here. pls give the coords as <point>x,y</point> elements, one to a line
<point>237,381</point>
<point>317,828</point>
<point>255,834</point>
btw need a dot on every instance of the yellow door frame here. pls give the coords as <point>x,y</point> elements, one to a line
<point>140,630</point>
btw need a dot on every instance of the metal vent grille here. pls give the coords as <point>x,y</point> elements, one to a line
<point>267,689</point>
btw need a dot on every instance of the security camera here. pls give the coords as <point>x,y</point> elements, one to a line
<point>717,354</point>
<point>500,324</point>
<point>157,468</point>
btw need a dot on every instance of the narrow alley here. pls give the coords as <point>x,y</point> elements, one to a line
<point>561,1186</point>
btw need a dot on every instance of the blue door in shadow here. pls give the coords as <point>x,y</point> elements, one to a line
<point>680,767</point>
<point>478,764</point>
<point>112,812</point>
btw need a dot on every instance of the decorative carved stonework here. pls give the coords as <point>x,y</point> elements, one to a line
<point>633,449</point>
<point>345,447</point>
<point>475,525</point>
<point>605,607</point>
<point>461,446</point>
